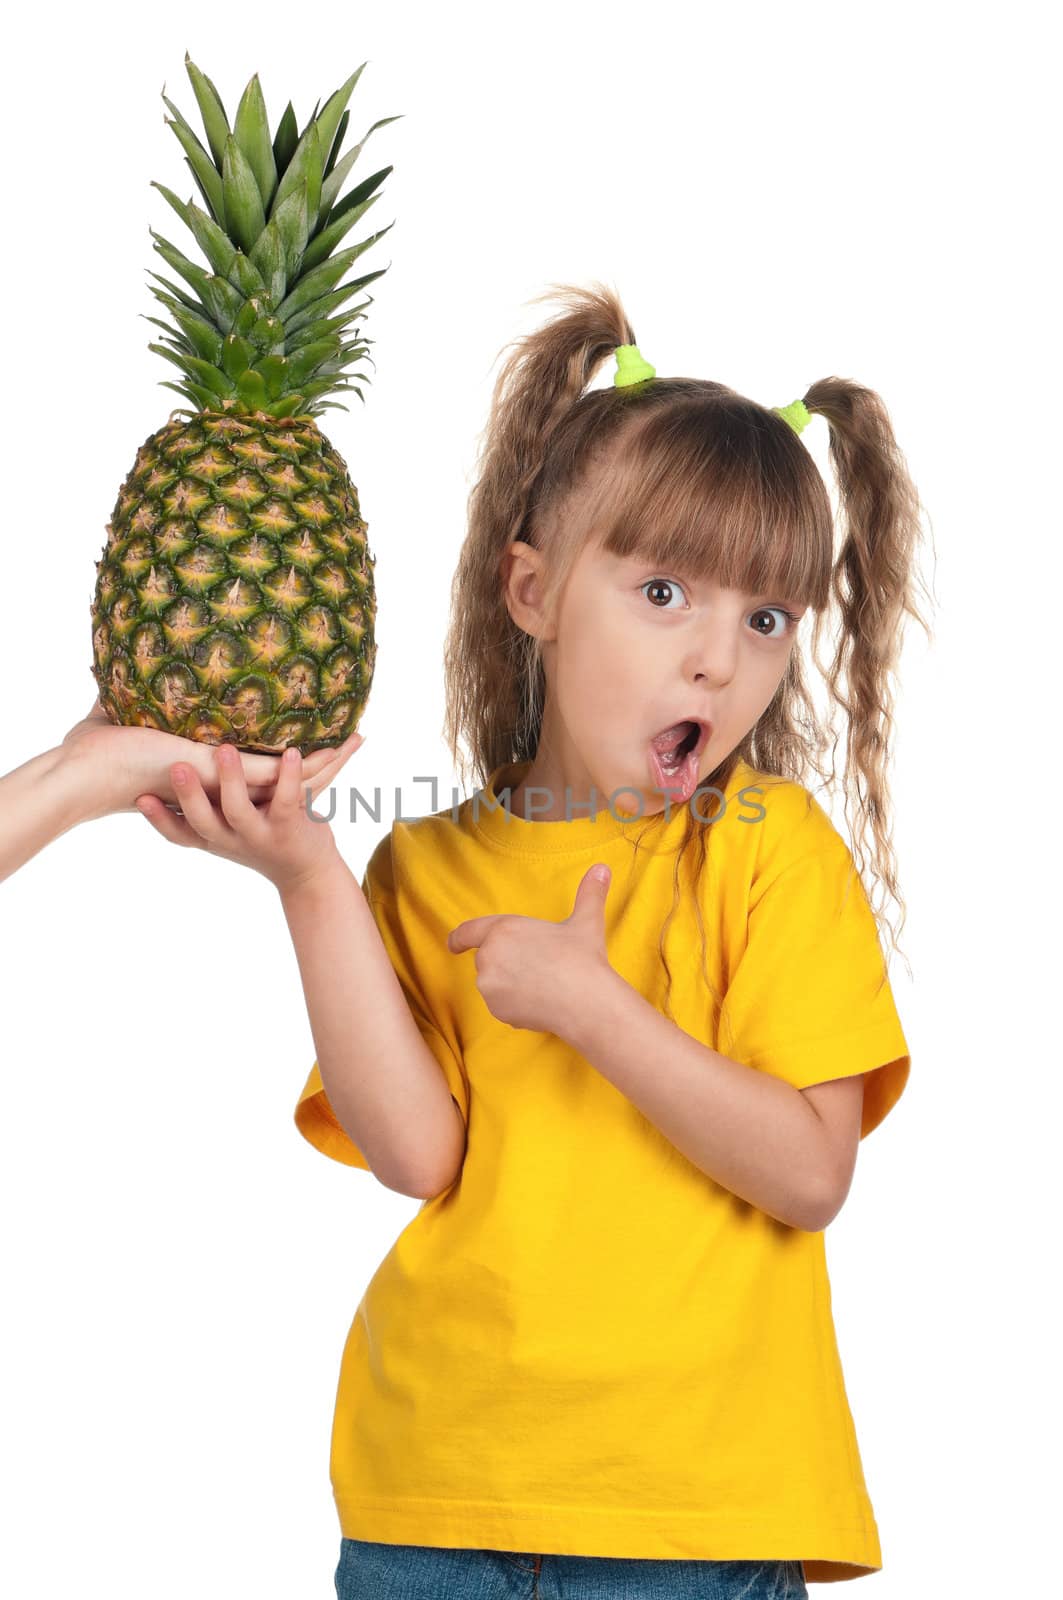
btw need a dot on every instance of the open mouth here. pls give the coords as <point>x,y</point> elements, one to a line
<point>675,755</point>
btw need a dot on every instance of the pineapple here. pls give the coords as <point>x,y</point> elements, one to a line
<point>234,601</point>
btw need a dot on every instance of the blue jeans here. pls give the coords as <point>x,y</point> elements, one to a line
<point>371,1571</point>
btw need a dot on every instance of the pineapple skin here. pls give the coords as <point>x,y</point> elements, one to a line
<point>235,600</point>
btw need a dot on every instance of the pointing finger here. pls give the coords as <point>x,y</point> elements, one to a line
<point>468,935</point>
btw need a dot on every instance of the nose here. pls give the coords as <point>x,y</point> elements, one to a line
<point>713,659</point>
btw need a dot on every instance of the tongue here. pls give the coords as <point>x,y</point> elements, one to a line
<point>665,743</point>
<point>680,780</point>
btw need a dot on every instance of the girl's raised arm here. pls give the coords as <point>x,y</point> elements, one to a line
<point>381,1079</point>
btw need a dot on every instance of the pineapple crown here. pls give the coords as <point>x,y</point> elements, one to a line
<point>258,334</point>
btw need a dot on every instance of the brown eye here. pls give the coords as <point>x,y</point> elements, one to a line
<point>667,585</point>
<point>781,611</point>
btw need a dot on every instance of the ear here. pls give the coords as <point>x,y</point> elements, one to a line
<point>522,571</point>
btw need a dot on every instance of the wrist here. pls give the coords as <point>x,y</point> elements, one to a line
<point>591,1012</point>
<point>42,799</point>
<point>83,784</point>
<point>79,789</point>
<point>314,884</point>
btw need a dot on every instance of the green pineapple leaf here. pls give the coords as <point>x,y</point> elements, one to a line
<point>243,204</point>
<point>180,345</point>
<point>179,116</point>
<point>202,166</point>
<point>329,302</point>
<point>192,274</point>
<point>305,165</point>
<point>320,329</point>
<point>252,388</point>
<point>178,342</point>
<point>332,188</point>
<point>245,276</point>
<point>236,355</point>
<point>336,144</point>
<point>269,257</point>
<point>203,397</point>
<point>209,376</point>
<point>215,122</point>
<point>327,240</point>
<point>291,219</point>
<point>203,338</point>
<point>185,299</point>
<point>292,405</point>
<point>305,362</point>
<point>332,185</point>
<point>285,139</point>
<point>324,386</point>
<point>195,178</point>
<point>247,316</point>
<point>215,245</point>
<point>251,132</point>
<point>345,356</point>
<point>329,120</point>
<point>268,335</point>
<point>218,299</point>
<point>359,193</point>
<point>223,302</point>
<point>274,369</point>
<point>322,277</point>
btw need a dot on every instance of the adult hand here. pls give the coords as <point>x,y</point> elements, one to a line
<point>115,764</point>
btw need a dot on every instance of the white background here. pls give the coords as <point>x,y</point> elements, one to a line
<point>779,193</point>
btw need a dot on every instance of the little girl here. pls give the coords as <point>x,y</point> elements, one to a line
<point>621,1018</point>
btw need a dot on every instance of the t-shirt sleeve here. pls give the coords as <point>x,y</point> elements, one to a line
<point>809,998</point>
<point>314,1116</point>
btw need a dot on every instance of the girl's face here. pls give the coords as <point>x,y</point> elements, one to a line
<point>632,651</point>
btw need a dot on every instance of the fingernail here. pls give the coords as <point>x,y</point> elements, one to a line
<point>180,774</point>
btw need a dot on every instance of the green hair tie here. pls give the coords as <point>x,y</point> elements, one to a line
<point>630,366</point>
<point>796,414</point>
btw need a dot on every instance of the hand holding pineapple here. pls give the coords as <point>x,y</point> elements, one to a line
<point>100,769</point>
<point>279,840</point>
<point>116,765</point>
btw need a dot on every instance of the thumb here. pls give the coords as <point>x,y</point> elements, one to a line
<point>593,887</point>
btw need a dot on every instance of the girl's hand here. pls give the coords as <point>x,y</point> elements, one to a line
<point>279,839</point>
<point>115,764</point>
<point>537,974</point>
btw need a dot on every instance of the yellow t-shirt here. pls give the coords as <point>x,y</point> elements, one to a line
<point>585,1345</point>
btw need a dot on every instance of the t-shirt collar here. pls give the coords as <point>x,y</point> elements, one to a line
<point>489,815</point>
